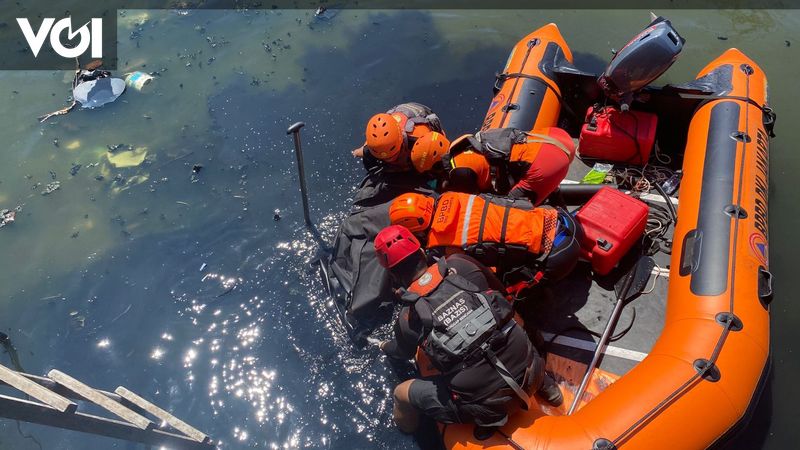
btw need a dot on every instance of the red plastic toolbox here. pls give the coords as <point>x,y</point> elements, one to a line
<point>612,222</point>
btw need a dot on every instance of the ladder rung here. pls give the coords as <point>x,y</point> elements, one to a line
<point>44,395</point>
<point>171,420</point>
<point>100,400</point>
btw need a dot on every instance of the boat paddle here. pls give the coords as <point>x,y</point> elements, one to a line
<point>626,288</point>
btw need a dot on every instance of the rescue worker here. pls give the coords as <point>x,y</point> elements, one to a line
<point>510,162</point>
<point>522,242</point>
<point>394,140</point>
<point>455,313</point>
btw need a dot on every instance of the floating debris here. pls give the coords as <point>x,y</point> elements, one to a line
<point>196,172</point>
<point>138,80</point>
<point>51,187</point>
<point>788,44</point>
<point>78,321</point>
<point>722,38</point>
<point>324,14</point>
<point>7,217</point>
<point>113,148</point>
<point>122,313</point>
<point>98,92</point>
<point>128,158</point>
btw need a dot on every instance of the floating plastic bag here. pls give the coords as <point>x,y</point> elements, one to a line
<point>96,93</point>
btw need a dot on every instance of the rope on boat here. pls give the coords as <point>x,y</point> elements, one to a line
<point>709,365</point>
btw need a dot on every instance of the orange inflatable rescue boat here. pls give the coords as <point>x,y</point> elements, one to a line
<point>526,94</point>
<point>692,385</point>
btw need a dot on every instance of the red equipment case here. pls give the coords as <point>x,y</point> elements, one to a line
<point>612,222</point>
<point>618,136</point>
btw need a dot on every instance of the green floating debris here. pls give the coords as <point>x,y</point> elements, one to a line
<point>129,158</point>
<point>598,173</point>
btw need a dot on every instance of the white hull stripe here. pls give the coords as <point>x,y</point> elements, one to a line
<point>631,355</point>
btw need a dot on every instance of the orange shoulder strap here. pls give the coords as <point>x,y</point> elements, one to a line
<point>429,281</point>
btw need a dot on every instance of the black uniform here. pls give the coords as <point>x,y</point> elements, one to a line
<point>476,393</point>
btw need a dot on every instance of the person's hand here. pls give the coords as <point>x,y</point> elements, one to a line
<point>359,152</point>
<point>377,343</point>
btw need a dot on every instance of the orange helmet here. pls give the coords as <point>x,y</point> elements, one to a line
<point>413,211</point>
<point>428,150</point>
<point>476,162</point>
<point>384,137</point>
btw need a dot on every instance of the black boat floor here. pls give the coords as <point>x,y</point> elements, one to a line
<point>582,301</point>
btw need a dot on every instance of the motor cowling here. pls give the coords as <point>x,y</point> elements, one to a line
<point>642,60</point>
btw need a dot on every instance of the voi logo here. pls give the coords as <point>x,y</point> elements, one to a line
<point>90,34</point>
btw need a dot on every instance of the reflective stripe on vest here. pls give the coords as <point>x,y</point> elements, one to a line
<point>467,216</point>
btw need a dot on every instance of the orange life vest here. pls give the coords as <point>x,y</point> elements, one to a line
<point>491,228</point>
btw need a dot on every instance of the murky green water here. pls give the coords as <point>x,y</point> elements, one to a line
<point>181,285</point>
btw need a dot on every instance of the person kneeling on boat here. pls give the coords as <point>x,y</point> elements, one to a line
<point>524,244</point>
<point>509,161</point>
<point>455,313</point>
<point>407,137</point>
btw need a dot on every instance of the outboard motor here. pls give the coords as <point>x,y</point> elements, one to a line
<point>641,61</point>
<point>613,132</point>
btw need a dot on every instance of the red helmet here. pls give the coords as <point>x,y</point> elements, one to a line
<point>394,244</point>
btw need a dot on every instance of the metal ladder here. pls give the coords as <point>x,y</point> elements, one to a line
<point>55,407</point>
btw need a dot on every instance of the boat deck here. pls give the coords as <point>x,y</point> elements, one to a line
<point>581,301</point>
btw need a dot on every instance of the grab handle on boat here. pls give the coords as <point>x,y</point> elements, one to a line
<point>764,286</point>
<point>690,252</point>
